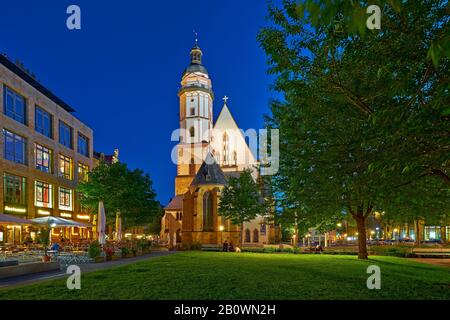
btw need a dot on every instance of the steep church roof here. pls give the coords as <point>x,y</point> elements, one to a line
<point>175,204</point>
<point>225,121</point>
<point>209,173</point>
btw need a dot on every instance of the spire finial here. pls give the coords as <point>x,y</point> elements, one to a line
<point>225,99</point>
<point>195,37</point>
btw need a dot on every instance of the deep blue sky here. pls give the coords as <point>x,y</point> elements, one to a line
<point>121,71</point>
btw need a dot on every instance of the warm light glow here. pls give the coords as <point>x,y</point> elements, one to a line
<point>66,215</point>
<point>83,216</point>
<point>221,228</point>
<point>395,230</point>
<point>339,225</point>
<point>43,212</point>
<point>372,232</point>
<point>53,225</point>
<point>14,209</point>
<point>356,233</point>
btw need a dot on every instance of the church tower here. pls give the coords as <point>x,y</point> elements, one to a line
<point>196,101</point>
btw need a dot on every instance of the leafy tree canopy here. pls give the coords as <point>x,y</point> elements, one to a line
<point>121,189</point>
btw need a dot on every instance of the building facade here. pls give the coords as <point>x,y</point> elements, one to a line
<point>45,151</point>
<point>208,154</point>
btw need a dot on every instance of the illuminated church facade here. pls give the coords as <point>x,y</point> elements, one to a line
<point>208,153</point>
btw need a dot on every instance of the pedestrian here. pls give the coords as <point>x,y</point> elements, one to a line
<point>225,246</point>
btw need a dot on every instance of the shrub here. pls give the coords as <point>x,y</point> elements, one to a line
<point>94,250</point>
<point>191,246</point>
<point>124,251</point>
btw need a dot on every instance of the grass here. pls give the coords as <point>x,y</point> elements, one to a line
<point>217,275</point>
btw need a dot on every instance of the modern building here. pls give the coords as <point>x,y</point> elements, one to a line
<point>45,151</point>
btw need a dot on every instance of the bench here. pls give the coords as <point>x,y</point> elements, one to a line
<point>313,250</point>
<point>211,247</point>
<point>431,252</point>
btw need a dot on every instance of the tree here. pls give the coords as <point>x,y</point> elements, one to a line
<point>120,189</point>
<point>364,124</point>
<point>240,200</point>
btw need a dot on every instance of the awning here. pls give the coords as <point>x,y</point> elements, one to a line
<point>12,220</point>
<point>59,222</point>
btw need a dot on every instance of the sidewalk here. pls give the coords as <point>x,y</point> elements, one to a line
<point>443,262</point>
<point>85,268</point>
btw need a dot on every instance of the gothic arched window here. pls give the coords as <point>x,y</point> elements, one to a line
<point>225,148</point>
<point>247,235</point>
<point>192,132</point>
<point>255,235</point>
<point>208,223</point>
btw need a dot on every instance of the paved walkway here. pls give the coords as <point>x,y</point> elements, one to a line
<point>443,262</point>
<point>89,267</point>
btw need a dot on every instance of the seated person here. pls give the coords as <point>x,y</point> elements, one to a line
<point>55,247</point>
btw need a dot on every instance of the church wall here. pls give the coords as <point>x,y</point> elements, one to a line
<point>193,220</point>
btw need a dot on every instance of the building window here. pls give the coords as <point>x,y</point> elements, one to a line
<point>192,132</point>
<point>262,229</point>
<point>43,122</point>
<point>15,147</point>
<point>432,233</point>
<point>83,145</point>
<point>255,235</point>
<point>65,135</point>
<point>192,111</point>
<point>43,159</point>
<point>65,167</point>
<point>15,189</point>
<point>43,194</point>
<point>65,199</point>
<point>247,235</point>
<point>208,222</point>
<point>15,105</point>
<point>83,172</point>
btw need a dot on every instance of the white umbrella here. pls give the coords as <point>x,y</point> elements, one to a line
<point>118,226</point>
<point>101,223</point>
<point>53,222</point>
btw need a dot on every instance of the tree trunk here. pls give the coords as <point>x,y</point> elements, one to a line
<point>241,235</point>
<point>362,245</point>
<point>417,230</point>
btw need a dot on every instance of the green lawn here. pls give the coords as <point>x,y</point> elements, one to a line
<point>210,275</point>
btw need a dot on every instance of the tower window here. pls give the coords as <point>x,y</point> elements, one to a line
<point>192,111</point>
<point>192,132</point>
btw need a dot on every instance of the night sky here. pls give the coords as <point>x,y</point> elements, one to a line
<point>121,71</point>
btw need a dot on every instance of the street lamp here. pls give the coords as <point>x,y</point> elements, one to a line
<point>221,228</point>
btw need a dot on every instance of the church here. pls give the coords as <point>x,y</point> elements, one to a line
<point>208,153</point>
